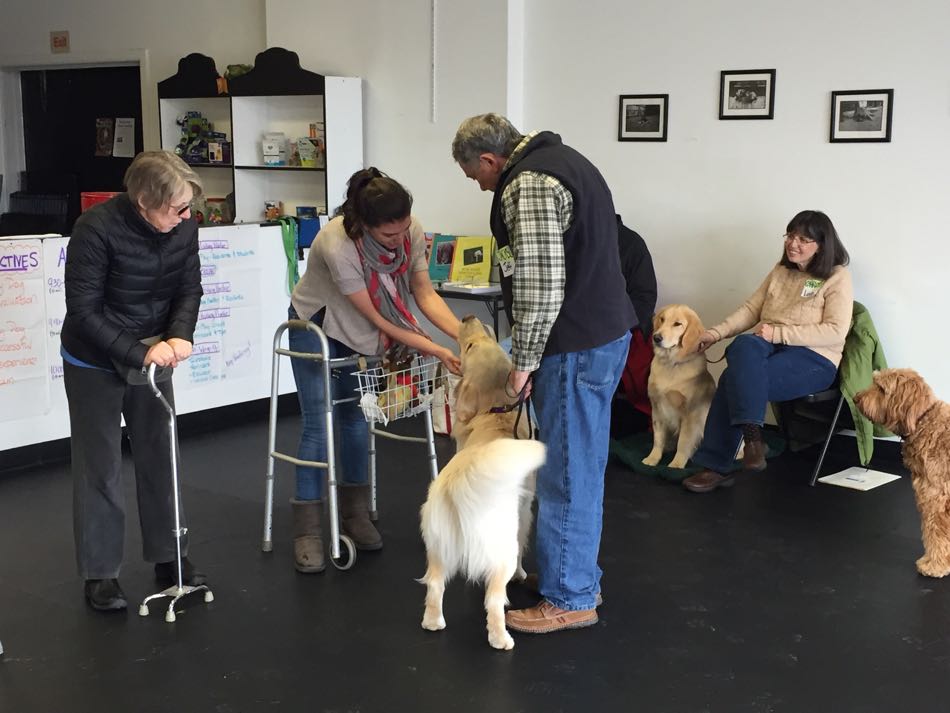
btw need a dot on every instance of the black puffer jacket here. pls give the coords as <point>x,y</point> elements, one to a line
<point>125,281</point>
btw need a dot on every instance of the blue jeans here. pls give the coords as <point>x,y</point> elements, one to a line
<point>758,372</point>
<point>348,421</point>
<point>572,394</point>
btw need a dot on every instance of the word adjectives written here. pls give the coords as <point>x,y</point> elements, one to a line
<point>19,262</point>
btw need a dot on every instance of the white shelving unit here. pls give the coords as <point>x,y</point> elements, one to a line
<point>276,96</point>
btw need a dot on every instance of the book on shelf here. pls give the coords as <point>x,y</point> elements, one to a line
<point>440,257</point>
<point>472,260</point>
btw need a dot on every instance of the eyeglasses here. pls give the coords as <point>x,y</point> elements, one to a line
<point>181,211</point>
<point>801,239</point>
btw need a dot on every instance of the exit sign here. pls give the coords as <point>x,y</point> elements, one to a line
<point>59,41</point>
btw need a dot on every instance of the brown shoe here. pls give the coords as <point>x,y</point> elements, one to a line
<point>545,618</point>
<point>531,584</point>
<point>753,457</point>
<point>708,480</point>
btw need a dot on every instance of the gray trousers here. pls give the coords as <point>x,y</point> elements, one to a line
<point>97,399</point>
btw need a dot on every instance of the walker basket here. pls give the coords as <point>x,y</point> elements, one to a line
<point>387,395</point>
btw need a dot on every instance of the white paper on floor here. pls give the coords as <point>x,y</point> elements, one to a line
<point>859,478</point>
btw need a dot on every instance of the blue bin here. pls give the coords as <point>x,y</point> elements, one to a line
<point>309,227</point>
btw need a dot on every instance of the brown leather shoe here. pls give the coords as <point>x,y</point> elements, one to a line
<point>753,457</point>
<point>545,618</point>
<point>706,481</point>
<point>755,449</point>
<point>531,584</point>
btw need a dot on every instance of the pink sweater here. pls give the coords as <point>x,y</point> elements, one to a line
<point>804,311</point>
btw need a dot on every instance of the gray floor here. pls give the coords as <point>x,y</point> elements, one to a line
<point>770,597</point>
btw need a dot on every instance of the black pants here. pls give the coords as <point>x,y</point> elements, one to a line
<point>97,399</point>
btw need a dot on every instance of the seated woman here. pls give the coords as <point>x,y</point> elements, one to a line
<point>362,268</point>
<point>800,317</point>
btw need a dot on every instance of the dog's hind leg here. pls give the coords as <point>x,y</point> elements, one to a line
<point>434,579</point>
<point>935,528</point>
<point>495,600</point>
<point>524,528</point>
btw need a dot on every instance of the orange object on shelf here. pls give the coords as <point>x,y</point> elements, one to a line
<point>88,199</point>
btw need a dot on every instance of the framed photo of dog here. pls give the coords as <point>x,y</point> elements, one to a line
<point>747,94</point>
<point>862,115</point>
<point>643,117</point>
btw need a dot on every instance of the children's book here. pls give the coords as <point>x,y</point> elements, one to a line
<point>472,261</point>
<point>440,257</point>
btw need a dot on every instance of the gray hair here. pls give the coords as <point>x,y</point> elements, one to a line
<point>156,177</point>
<point>485,133</point>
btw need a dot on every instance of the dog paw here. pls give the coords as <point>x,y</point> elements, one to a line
<point>501,640</point>
<point>678,462</point>
<point>433,623</point>
<point>651,459</point>
<point>930,568</point>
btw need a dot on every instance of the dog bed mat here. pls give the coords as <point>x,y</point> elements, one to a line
<point>634,448</point>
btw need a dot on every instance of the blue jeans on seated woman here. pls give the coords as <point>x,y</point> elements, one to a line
<point>348,421</point>
<point>572,394</point>
<point>758,372</point>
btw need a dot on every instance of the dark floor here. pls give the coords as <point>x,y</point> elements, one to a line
<point>770,597</point>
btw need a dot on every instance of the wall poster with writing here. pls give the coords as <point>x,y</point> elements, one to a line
<point>227,342</point>
<point>24,387</point>
<point>54,264</point>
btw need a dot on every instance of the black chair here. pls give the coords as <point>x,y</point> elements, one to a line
<point>805,406</point>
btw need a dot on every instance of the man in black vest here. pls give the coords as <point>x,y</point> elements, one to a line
<point>554,223</point>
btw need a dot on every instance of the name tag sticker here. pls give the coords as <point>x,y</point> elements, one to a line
<point>811,287</point>
<point>506,261</point>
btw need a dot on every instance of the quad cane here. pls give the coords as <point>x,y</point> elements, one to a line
<point>176,591</point>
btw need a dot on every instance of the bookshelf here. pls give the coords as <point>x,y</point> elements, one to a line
<point>277,95</point>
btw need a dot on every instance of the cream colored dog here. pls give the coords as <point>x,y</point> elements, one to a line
<point>680,385</point>
<point>902,402</point>
<point>477,516</point>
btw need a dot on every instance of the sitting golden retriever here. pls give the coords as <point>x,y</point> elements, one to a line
<point>478,514</point>
<point>680,385</point>
<point>901,401</point>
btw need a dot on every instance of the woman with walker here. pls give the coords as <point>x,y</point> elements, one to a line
<point>362,267</point>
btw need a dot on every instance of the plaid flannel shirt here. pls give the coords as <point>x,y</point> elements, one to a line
<point>537,210</point>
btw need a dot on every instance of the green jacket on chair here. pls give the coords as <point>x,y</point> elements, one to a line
<point>863,354</point>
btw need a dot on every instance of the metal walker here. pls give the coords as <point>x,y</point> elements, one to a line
<point>373,382</point>
<point>176,591</point>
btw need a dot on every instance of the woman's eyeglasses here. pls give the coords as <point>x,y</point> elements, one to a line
<point>800,239</point>
<point>181,211</point>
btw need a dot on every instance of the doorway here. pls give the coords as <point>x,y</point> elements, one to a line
<point>64,110</point>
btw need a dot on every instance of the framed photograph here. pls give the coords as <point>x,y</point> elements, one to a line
<point>747,94</point>
<point>861,115</point>
<point>643,117</point>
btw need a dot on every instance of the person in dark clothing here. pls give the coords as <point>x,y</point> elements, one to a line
<point>133,288</point>
<point>637,268</point>
<point>554,222</point>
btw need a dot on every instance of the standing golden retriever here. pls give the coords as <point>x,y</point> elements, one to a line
<point>680,385</point>
<point>902,402</point>
<point>477,517</point>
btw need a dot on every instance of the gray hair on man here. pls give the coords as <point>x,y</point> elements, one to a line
<point>155,178</point>
<point>485,133</point>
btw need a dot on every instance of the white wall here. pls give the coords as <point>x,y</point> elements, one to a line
<point>231,33</point>
<point>388,44</point>
<point>713,200</point>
